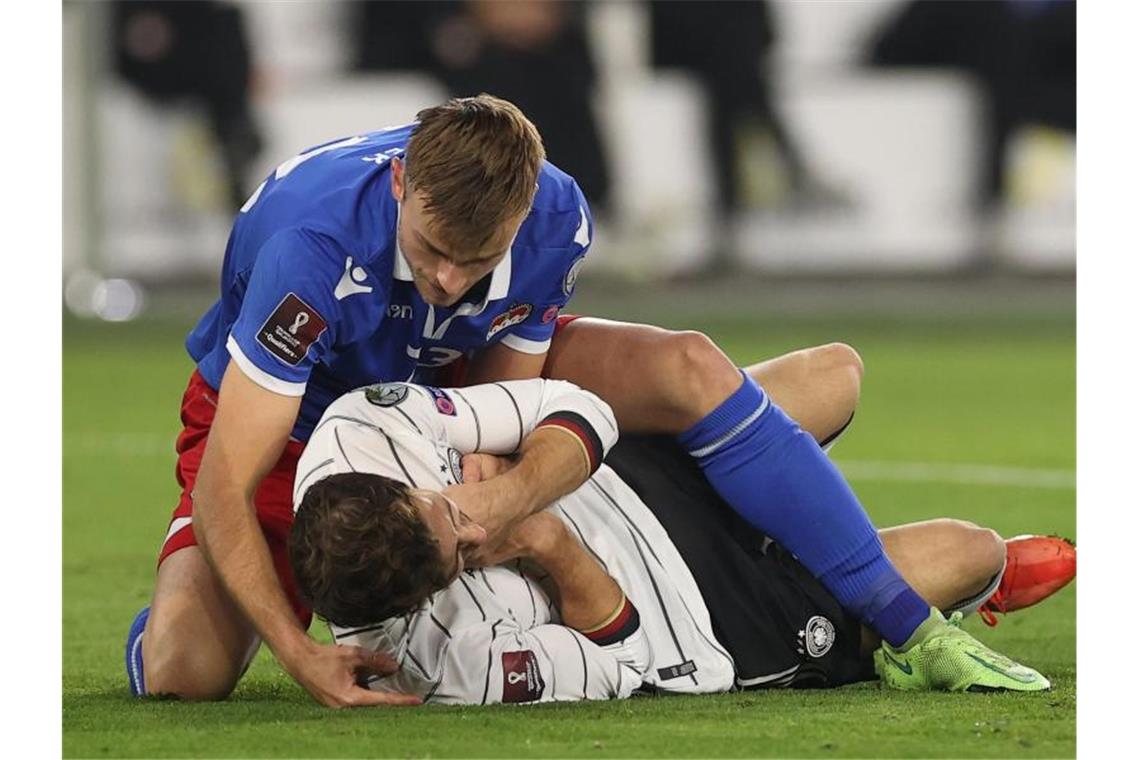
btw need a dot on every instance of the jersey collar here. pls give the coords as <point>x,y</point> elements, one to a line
<point>401,269</point>
<point>501,277</point>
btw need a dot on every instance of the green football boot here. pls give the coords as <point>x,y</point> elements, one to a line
<point>940,656</point>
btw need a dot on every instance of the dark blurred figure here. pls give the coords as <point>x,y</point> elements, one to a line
<point>1023,53</point>
<point>199,51</point>
<point>397,35</point>
<point>727,46</point>
<point>534,53</point>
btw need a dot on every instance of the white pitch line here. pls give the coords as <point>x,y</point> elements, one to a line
<point>143,445</point>
<point>963,474</point>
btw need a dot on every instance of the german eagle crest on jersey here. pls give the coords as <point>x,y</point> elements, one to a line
<point>817,636</point>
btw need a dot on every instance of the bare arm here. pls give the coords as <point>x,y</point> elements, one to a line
<point>247,437</point>
<point>588,598</point>
<point>497,506</point>
<point>550,464</point>
<point>587,595</point>
<point>559,433</point>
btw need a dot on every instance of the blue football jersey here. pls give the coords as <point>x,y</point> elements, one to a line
<point>316,299</point>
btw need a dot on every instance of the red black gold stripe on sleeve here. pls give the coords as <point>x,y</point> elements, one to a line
<point>622,624</point>
<point>576,424</point>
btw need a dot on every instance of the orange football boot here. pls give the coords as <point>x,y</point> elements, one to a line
<point>1036,567</point>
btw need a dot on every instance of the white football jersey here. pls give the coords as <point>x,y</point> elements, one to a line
<point>494,634</point>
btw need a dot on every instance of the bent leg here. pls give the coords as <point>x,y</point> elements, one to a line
<point>817,387</point>
<point>197,643</point>
<point>944,560</point>
<point>664,381</point>
<point>760,461</point>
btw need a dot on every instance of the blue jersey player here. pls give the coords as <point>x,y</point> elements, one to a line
<point>390,255</point>
<point>377,257</point>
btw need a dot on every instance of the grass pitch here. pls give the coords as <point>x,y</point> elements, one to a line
<point>940,395</point>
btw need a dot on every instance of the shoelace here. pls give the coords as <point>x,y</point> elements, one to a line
<point>995,603</point>
<point>955,621</point>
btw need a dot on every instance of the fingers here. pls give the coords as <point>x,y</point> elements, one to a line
<point>472,470</point>
<point>367,698</point>
<point>361,662</point>
<point>372,662</point>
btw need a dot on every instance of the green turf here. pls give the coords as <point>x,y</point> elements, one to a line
<point>975,391</point>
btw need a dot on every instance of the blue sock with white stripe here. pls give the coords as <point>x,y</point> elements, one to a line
<point>133,653</point>
<point>776,477</point>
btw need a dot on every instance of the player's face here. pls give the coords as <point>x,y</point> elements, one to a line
<point>456,533</point>
<point>442,274</point>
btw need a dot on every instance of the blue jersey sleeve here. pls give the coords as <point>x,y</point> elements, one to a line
<point>289,315</point>
<point>533,334</point>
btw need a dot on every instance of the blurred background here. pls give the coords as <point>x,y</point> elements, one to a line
<point>793,141</point>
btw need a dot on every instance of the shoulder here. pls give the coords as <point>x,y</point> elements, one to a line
<point>560,216</point>
<point>327,279</point>
<point>302,252</point>
<point>558,192</point>
<point>340,189</point>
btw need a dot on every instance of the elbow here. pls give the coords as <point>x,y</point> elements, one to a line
<point>608,429</point>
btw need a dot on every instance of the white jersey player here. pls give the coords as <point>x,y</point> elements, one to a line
<point>494,633</point>
<point>656,585</point>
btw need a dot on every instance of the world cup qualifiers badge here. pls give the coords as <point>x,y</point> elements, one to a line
<point>512,316</point>
<point>443,402</point>
<point>291,329</point>
<point>522,678</point>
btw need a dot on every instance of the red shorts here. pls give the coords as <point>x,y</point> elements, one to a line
<point>273,499</point>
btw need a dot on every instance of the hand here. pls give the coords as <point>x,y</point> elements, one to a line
<point>483,502</point>
<point>332,675</point>
<point>480,467</point>
<point>534,538</point>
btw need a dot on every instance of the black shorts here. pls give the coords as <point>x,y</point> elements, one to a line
<point>781,626</point>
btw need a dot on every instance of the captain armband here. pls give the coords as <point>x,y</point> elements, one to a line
<point>622,623</point>
<point>582,431</point>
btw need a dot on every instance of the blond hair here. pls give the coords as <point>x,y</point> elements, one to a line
<point>476,162</point>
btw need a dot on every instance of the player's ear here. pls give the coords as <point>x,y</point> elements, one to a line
<point>398,180</point>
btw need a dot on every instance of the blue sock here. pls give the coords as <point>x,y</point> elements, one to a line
<point>134,659</point>
<point>776,477</point>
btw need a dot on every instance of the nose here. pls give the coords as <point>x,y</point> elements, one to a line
<point>449,277</point>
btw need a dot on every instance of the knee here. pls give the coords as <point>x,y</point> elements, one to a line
<point>841,360</point>
<point>991,550</point>
<point>845,357</point>
<point>173,666</point>
<point>981,550</point>
<point>698,375</point>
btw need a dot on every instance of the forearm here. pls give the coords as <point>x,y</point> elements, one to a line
<point>588,597</point>
<point>550,464</point>
<point>230,538</point>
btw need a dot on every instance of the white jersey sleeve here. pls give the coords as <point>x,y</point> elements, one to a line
<point>417,433</point>
<point>502,661</point>
<point>495,418</point>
